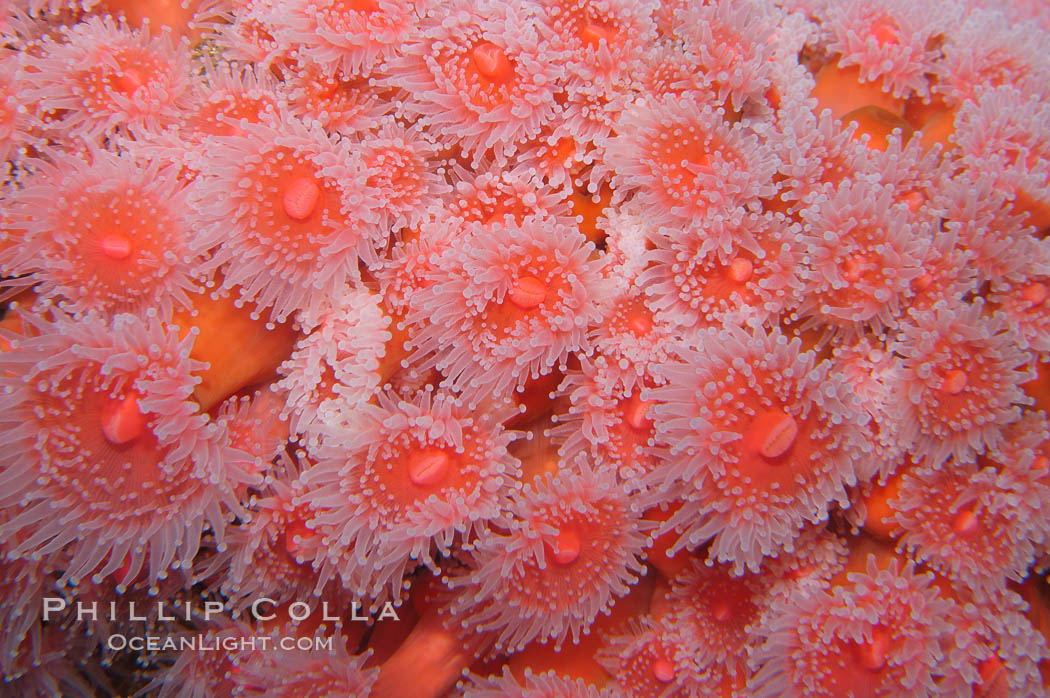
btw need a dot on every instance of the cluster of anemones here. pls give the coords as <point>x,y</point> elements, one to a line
<point>620,347</point>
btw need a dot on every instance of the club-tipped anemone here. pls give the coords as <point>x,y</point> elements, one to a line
<point>632,338</point>
<point>607,418</point>
<point>235,93</point>
<point>289,205</point>
<point>652,658</point>
<point>510,304</point>
<point>100,76</point>
<point>507,314</point>
<point>574,544</point>
<point>1022,461</point>
<point>315,673</point>
<point>347,38</point>
<point>15,119</point>
<point>762,436</point>
<point>109,404</point>
<point>414,263</point>
<point>714,611</point>
<point>403,481</point>
<point>688,166</point>
<point>601,40</point>
<point>269,556</point>
<point>257,431</point>
<point>985,51</point>
<point>994,242</point>
<point>479,75</point>
<point>188,672</point>
<point>692,284</point>
<point>874,376</point>
<point>491,192</point>
<point>883,631</point>
<point>731,44</point>
<point>336,367</point>
<point>531,685</point>
<point>402,178</point>
<point>892,42</point>
<point>961,381</point>
<point>55,668</point>
<point>23,584</point>
<point>816,155</point>
<point>1023,301</point>
<point>105,233</point>
<point>958,521</point>
<point>248,35</point>
<point>1004,132</point>
<point>864,250</point>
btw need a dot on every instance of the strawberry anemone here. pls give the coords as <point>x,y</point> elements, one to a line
<point>108,455</point>
<point>687,166</point>
<point>531,685</point>
<point>336,367</point>
<point>58,669</point>
<point>1023,463</point>
<point>607,418</point>
<point>257,431</point>
<point>265,557</point>
<point>574,142</point>
<point>756,278</point>
<point>23,584</point>
<point>480,75</point>
<point>631,337</point>
<point>491,192</point>
<point>285,208</point>
<point>892,42</point>
<point>649,659</point>
<point>731,43</point>
<point>402,178</point>
<point>601,39</point>
<point>714,612</point>
<point>188,672</point>
<point>1005,132</point>
<point>407,478</point>
<point>173,589</point>
<point>950,270</point>
<point>874,375</point>
<point>573,543</point>
<point>105,234</point>
<point>1006,653</point>
<point>315,673</point>
<point>413,263</point>
<point>248,37</point>
<point>915,171</point>
<point>864,252</point>
<point>1024,301</point>
<point>14,117</point>
<point>510,303</point>
<point>345,37</point>
<point>667,69</point>
<point>762,436</point>
<point>959,522</point>
<point>986,51</point>
<point>628,234</point>
<point>997,243</point>
<point>234,93</point>
<point>816,154</point>
<point>345,106</point>
<point>961,381</point>
<point>103,76</point>
<point>883,632</point>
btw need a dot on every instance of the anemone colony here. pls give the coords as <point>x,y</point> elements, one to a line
<point>626,347</point>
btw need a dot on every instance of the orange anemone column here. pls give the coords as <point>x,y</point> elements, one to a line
<point>240,350</point>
